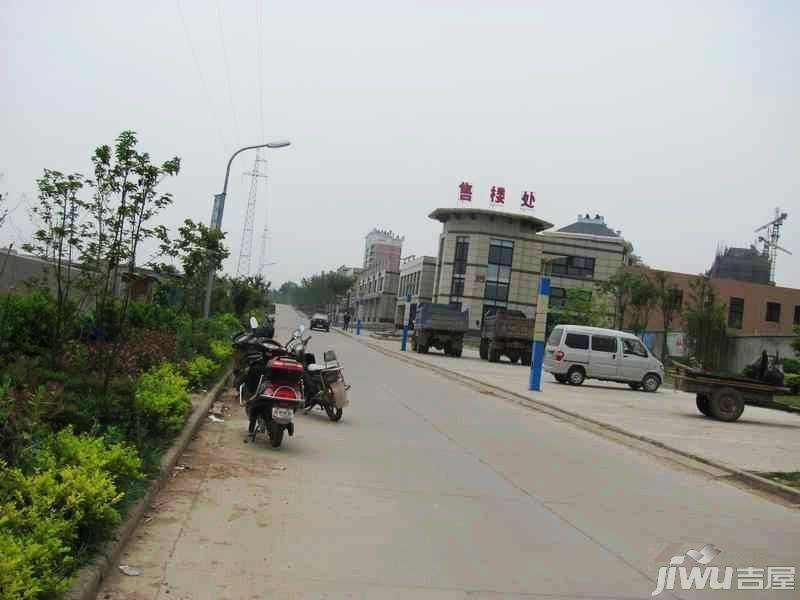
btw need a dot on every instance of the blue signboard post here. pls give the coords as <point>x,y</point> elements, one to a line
<point>539,332</point>
<point>406,316</point>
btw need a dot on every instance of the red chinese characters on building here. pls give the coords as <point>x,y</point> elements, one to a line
<point>497,195</point>
<point>465,192</point>
<point>528,200</point>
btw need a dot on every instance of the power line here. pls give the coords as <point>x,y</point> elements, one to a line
<point>259,23</point>
<point>228,74</point>
<point>200,74</point>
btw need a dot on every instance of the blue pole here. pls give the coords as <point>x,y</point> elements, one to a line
<point>537,348</point>
<point>358,326</point>
<point>404,342</point>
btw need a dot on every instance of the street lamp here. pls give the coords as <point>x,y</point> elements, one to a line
<point>219,206</point>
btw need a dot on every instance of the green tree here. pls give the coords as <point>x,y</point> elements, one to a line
<point>248,293</point>
<point>200,250</point>
<point>579,308</point>
<point>620,289</point>
<point>59,241</point>
<point>667,295</point>
<point>643,299</point>
<point>705,323</point>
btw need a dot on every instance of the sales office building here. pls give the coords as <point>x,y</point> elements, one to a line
<point>490,259</point>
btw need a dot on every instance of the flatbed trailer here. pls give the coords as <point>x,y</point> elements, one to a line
<point>724,397</point>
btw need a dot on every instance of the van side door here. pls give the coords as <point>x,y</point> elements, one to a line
<point>636,362</point>
<point>603,358</point>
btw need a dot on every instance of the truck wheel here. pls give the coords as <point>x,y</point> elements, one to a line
<point>576,376</point>
<point>526,359</point>
<point>483,351</point>
<point>513,357</point>
<point>448,349</point>
<point>457,352</point>
<point>703,404</point>
<point>423,349</point>
<point>726,404</point>
<point>494,353</point>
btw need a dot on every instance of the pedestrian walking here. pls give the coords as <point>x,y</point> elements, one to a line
<point>347,321</point>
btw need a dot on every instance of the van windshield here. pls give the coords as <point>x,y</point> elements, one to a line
<point>555,337</point>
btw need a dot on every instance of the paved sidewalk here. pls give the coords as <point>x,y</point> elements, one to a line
<point>761,440</point>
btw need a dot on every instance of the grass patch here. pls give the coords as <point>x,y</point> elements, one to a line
<point>790,478</point>
<point>793,401</point>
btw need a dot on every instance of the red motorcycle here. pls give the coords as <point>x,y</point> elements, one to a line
<point>270,383</point>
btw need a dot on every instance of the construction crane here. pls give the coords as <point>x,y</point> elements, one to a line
<point>770,242</point>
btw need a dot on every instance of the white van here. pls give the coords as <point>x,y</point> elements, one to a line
<point>575,353</point>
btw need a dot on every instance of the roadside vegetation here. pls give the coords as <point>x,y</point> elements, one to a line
<point>317,293</point>
<point>95,384</point>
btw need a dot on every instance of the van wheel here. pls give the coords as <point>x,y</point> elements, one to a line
<point>651,382</point>
<point>635,386</point>
<point>576,376</point>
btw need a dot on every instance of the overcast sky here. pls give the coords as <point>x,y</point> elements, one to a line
<point>677,121</point>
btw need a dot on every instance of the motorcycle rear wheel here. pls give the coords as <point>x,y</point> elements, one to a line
<point>334,413</point>
<point>275,432</point>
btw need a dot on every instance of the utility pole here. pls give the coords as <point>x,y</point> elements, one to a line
<point>262,256</point>
<point>246,249</point>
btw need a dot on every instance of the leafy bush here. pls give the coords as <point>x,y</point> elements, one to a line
<point>162,401</point>
<point>63,501</point>
<point>791,365</point>
<point>200,371</point>
<point>792,380</point>
<point>153,316</point>
<point>223,327</point>
<point>25,412</point>
<point>26,322</point>
<point>221,351</point>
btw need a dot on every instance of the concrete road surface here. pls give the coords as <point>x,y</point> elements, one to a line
<point>428,489</point>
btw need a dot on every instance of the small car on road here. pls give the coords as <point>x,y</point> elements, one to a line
<point>575,353</point>
<point>320,321</point>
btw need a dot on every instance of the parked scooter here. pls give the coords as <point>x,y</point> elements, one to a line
<point>270,383</point>
<point>325,385</point>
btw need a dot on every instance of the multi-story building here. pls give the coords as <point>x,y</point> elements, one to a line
<point>759,316</point>
<point>376,293</point>
<point>489,259</point>
<point>382,246</point>
<point>416,280</point>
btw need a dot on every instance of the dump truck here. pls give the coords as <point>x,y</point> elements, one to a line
<point>439,326</point>
<point>507,333</point>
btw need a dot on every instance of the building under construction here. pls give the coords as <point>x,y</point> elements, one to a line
<point>741,264</point>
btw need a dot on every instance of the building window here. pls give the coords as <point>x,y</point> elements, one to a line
<point>797,314</point>
<point>573,266</point>
<point>736,313</point>
<point>558,297</point>
<point>498,273</point>
<point>773,312</point>
<point>459,269</point>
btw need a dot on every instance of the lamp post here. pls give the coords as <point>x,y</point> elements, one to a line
<point>219,206</point>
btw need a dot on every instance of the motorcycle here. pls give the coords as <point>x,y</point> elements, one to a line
<point>325,385</point>
<point>270,382</point>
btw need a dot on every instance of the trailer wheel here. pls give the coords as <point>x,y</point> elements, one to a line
<point>703,404</point>
<point>483,351</point>
<point>726,404</point>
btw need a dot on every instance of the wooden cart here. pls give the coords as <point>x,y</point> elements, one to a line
<point>724,397</point>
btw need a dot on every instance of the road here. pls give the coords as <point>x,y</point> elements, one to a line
<point>429,489</point>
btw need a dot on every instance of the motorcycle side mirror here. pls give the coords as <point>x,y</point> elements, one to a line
<point>329,356</point>
<point>295,334</point>
<point>253,323</point>
<point>301,329</point>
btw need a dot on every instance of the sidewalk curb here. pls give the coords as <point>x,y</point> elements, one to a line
<point>754,481</point>
<point>87,580</point>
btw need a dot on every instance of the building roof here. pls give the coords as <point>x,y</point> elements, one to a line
<point>588,225</point>
<point>445,214</point>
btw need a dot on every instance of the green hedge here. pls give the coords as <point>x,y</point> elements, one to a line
<point>200,371</point>
<point>57,505</point>
<point>162,401</point>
